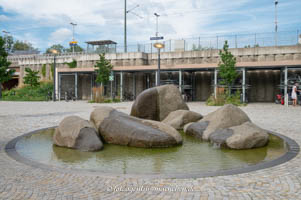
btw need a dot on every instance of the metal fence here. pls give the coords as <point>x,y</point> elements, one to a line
<point>216,42</point>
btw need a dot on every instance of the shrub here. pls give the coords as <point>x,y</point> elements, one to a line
<point>31,78</point>
<point>28,93</point>
<point>222,99</point>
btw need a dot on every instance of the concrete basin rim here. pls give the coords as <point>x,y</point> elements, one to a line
<point>292,146</point>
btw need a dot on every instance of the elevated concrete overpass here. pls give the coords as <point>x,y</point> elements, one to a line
<point>262,69</point>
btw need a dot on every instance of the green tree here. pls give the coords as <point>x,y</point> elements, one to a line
<point>104,68</point>
<point>5,73</point>
<point>57,47</point>
<point>22,46</point>
<point>77,48</point>
<point>227,69</point>
<point>31,78</point>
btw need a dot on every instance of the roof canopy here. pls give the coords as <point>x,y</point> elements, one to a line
<point>101,42</point>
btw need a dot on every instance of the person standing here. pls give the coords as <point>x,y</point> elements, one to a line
<point>294,94</point>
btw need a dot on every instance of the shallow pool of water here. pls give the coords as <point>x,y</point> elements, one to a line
<point>193,156</point>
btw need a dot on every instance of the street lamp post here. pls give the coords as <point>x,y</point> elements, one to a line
<point>276,23</point>
<point>73,25</point>
<point>158,46</point>
<point>54,52</point>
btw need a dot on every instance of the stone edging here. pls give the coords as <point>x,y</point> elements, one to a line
<point>293,150</point>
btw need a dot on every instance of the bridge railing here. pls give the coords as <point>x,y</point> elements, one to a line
<point>282,38</point>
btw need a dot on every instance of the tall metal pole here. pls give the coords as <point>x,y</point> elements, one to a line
<point>276,23</point>
<point>158,76</point>
<point>157,28</point>
<point>54,77</point>
<point>73,25</point>
<point>125,13</point>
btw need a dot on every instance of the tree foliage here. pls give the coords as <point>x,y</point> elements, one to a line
<point>227,69</point>
<point>43,72</point>
<point>22,46</point>
<point>77,48</point>
<point>31,78</point>
<point>61,49</point>
<point>103,70</point>
<point>5,73</point>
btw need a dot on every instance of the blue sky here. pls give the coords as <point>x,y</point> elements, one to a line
<point>44,22</point>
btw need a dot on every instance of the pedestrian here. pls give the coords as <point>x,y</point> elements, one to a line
<point>294,94</point>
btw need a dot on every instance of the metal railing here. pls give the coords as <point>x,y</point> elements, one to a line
<point>284,38</point>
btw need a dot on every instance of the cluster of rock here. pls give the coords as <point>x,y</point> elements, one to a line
<point>111,126</point>
<point>156,116</point>
<point>228,127</point>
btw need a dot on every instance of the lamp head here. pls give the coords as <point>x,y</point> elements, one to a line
<point>156,14</point>
<point>159,45</point>
<point>54,51</point>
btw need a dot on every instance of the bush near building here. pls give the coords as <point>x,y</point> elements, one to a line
<point>42,92</point>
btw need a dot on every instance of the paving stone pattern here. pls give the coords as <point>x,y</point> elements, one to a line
<point>20,181</point>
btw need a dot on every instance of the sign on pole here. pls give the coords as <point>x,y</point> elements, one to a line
<point>157,38</point>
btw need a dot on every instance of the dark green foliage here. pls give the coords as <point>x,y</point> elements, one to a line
<point>62,49</point>
<point>223,99</point>
<point>77,48</point>
<point>43,70</point>
<point>227,69</point>
<point>52,70</point>
<point>29,93</point>
<point>22,46</point>
<point>72,64</point>
<point>103,70</point>
<point>5,73</point>
<point>31,78</point>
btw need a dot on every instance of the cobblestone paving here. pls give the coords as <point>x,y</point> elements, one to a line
<point>20,181</point>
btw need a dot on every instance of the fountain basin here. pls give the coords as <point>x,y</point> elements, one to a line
<point>192,159</point>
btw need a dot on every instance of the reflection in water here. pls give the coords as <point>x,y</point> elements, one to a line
<point>70,155</point>
<point>192,156</point>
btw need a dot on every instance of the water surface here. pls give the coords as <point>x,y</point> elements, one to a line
<point>192,156</point>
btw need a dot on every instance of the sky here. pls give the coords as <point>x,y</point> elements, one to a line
<point>47,22</point>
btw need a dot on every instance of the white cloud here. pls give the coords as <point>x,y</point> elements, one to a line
<point>103,19</point>
<point>4,18</point>
<point>60,35</point>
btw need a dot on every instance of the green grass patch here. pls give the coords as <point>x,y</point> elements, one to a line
<point>27,93</point>
<point>107,101</point>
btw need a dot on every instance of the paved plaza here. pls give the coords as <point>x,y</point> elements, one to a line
<point>21,181</point>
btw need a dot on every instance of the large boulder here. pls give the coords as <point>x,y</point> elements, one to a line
<point>179,118</point>
<point>196,129</point>
<point>77,133</point>
<point>225,117</point>
<point>156,103</point>
<point>247,136</point>
<point>119,128</point>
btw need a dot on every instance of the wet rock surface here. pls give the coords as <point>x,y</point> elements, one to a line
<point>77,133</point>
<point>119,128</point>
<point>156,103</point>
<point>179,118</point>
